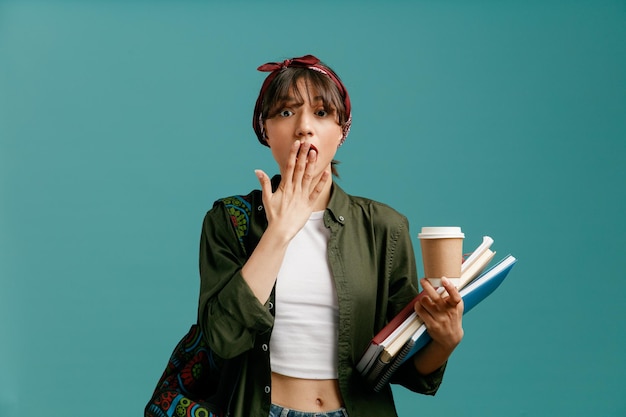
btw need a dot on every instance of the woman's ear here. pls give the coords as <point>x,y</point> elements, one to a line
<point>264,131</point>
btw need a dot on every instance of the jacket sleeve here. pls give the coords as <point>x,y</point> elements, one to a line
<point>403,288</point>
<point>229,313</point>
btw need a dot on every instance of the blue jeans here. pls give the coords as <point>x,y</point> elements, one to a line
<point>278,411</point>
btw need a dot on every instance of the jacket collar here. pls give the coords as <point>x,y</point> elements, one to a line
<point>339,204</point>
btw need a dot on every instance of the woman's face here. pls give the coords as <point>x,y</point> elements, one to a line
<point>306,120</point>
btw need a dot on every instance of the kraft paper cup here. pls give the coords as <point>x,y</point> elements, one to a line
<point>442,253</point>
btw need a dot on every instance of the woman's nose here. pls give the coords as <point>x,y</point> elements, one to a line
<point>304,127</point>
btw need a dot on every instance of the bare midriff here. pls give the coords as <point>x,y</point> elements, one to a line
<point>311,395</point>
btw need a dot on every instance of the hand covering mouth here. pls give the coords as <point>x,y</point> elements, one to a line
<point>311,147</point>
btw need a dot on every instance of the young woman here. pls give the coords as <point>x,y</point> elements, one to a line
<point>321,271</point>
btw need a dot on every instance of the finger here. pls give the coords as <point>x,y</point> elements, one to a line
<point>422,312</point>
<point>301,164</point>
<point>427,299</point>
<point>291,164</point>
<point>429,290</point>
<point>319,186</point>
<point>266,184</point>
<point>309,171</point>
<point>429,304</point>
<point>454,297</point>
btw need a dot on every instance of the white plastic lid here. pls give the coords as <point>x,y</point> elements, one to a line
<point>441,233</point>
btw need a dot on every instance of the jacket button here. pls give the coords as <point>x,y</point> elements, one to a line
<point>270,305</point>
<point>341,218</point>
<point>264,347</point>
<point>267,389</point>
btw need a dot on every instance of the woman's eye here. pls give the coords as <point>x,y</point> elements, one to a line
<point>285,113</point>
<point>322,113</point>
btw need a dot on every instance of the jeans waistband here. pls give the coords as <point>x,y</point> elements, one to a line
<point>278,411</point>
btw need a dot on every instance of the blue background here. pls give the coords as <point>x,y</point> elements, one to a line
<point>121,122</point>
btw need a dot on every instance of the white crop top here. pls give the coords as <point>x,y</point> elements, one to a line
<point>304,338</point>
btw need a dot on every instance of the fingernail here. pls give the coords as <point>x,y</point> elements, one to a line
<point>444,280</point>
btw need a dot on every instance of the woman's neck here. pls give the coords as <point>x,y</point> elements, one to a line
<point>324,198</point>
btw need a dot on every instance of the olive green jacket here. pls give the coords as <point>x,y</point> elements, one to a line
<point>372,261</point>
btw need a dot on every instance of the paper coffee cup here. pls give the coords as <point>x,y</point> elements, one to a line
<point>442,253</point>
